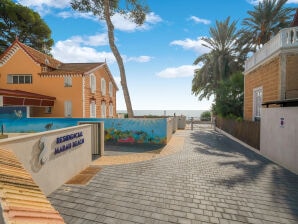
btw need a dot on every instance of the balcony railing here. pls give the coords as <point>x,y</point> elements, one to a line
<point>286,38</point>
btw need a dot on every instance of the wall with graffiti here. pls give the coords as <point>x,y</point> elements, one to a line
<point>150,130</point>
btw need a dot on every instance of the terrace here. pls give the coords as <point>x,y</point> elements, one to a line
<point>286,38</point>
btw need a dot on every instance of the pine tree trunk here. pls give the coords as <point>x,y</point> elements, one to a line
<point>118,58</point>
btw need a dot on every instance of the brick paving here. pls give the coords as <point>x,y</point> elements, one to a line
<point>212,179</point>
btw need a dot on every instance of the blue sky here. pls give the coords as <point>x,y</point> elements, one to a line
<point>158,55</point>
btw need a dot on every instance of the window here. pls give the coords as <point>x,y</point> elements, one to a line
<point>48,110</point>
<point>103,109</point>
<point>67,109</point>
<point>92,109</point>
<point>111,110</point>
<point>67,81</point>
<point>257,103</point>
<point>103,86</point>
<point>92,83</point>
<point>44,68</point>
<point>19,79</point>
<point>111,89</point>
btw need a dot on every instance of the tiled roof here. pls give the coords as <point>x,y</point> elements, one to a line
<point>295,20</point>
<point>21,199</point>
<point>74,69</point>
<point>39,57</point>
<point>36,55</point>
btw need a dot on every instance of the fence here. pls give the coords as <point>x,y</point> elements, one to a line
<point>246,131</point>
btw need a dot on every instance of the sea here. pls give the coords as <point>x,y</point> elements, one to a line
<point>187,113</point>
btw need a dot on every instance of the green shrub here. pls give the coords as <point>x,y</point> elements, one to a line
<point>205,116</point>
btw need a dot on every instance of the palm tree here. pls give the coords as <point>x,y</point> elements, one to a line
<point>133,10</point>
<point>227,56</point>
<point>266,20</point>
<point>205,81</point>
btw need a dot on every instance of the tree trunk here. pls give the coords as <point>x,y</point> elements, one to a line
<point>118,58</point>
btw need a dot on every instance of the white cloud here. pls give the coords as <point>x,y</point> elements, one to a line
<point>44,6</point>
<point>152,18</point>
<point>82,49</point>
<point>124,24</point>
<point>177,72</point>
<point>49,3</point>
<point>76,14</point>
<point>190,44</point>
<point>95,40</point>
<point>141,59</point>
<point>293,1</point>
<point>120,22</point>
<point>74,50</point>
<point>199,20</point>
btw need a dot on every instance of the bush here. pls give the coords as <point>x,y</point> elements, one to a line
<point>205,116</point>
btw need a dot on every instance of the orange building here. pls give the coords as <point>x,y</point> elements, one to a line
<point>50,88</point>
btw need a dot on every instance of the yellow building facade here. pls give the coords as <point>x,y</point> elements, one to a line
<point>270,76</point>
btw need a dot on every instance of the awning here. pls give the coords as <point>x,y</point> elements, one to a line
<point>22,98</point>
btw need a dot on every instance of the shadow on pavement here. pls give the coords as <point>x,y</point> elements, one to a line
<point>251,169</point>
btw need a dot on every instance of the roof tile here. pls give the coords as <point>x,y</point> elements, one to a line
<point>40,57</point>
<point>21,199</point>
<point>74,69</point>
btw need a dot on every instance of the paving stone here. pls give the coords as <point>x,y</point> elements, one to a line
<point>90,216</point>
<point>209,179</point>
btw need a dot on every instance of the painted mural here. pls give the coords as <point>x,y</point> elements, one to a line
<point>135,131</point>
<point>13,112</point>
<point>116,130</point>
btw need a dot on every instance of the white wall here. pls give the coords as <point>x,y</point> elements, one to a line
<point>280,142</point>
<point>57,168</point>
<point>172,125</point>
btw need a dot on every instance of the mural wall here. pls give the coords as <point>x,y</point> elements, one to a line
<point>116,130</point>
<point>13,112</point>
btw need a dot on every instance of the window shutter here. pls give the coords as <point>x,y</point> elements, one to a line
<point>92,109</point>
<point>92,83</point>
<point>103,86</point>
<point>67,109</point>
<point>111,89</point>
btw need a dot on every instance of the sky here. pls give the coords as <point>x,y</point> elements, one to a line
<point>158,56</point>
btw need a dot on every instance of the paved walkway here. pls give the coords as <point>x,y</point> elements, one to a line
<point>212,179</point>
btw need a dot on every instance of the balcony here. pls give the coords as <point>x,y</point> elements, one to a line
<point>285,39</point>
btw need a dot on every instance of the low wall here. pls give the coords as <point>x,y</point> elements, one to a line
<point>136,130</point>
<point>279,136</point>
<point>53,157</point>
<point>171,127</point>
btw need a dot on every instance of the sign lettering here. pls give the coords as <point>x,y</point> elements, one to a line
<point>67,142</point>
